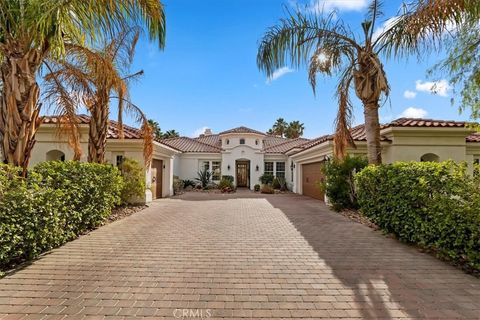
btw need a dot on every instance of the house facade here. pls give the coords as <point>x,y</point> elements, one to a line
<point>246,154</point>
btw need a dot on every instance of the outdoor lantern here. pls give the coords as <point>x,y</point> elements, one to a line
<point>292,166</point>
<point>257,168</point>
<point>228,167</point>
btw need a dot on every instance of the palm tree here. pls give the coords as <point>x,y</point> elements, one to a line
<point>279,127</point>
<point>327,45</point>
<point>171,134</point>
<point>97,76</point>
<point>294,130</point>
<point>429,24</point>
<point>33,30</point>
<point>157,131</point>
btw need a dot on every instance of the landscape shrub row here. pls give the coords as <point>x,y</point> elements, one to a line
<point>56,203</point>
<point>434,205</point>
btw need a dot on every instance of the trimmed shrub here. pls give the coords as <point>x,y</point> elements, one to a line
<point>227,177</point>
<point>434,205</point>
<point>266,178</point>
<point>225,183</point>
<point>256,187</point>
<point>339,181</point>
<point>56,203</point>
<point>133,175</point>
<point>267,189</point>
<point>178,185</point>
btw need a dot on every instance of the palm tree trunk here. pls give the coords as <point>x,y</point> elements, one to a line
<point>19,106</point>
<point>97,136</point>
<point>372,132</point>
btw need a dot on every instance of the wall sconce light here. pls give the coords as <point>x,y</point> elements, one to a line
<point>164,166</point>
<point>228,167</point>
<point>292,166</point>
<point>257,168</point>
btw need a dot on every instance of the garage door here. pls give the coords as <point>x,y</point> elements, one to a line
<point>311,176</point>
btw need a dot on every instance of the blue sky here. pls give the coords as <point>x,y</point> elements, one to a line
<point>207,74</point>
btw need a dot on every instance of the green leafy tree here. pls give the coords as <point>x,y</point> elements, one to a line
<point>327,45</point>
<point>35,30</point>
<point>294,130</point>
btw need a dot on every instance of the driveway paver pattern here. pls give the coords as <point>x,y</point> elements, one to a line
<point>238,256</point>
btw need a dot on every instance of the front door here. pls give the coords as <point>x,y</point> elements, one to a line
<point>157,166</point>
<point>243,173</point>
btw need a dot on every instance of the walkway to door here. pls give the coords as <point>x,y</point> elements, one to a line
<point>237,256</point>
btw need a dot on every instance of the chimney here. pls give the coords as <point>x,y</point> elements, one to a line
<point>208,132</point>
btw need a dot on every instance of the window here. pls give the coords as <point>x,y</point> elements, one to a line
<point>55,155</point>
<point>256,142</point>
<point>268,168</point>
<point>205,166</point>
<point>242,141</point>
<point>227,141</point>
<point>119,160</point>
<point>280,170</point>
<point>430,157</point>
<point>216,170</point>
<point>476,161</point>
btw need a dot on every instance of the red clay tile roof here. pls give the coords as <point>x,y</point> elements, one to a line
<point>212,139</point>
<point>186,144</point>
<point>129,132</point>
<point>285,145</point>
<point>358,132</point>
<point>242,129</point>
<point>413,122</point>
<point>474,137</point>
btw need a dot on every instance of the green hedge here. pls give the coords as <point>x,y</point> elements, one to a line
<point>339,181</point>
<point>56,203</point>
<point>434,205</point>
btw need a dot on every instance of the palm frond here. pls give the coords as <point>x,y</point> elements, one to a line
<point>295,39</point>
<point>423,26</point>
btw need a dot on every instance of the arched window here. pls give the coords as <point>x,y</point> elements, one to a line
<point>256,142</point>
<point>242,141</point>
<point>227,141</point>
<point>55,155</point>
<point>429,157</point>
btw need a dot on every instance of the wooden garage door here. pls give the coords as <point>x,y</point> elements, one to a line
<point>311,176</point>
<point>157,170</point>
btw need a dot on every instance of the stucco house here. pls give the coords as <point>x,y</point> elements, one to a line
<point>246,153</point>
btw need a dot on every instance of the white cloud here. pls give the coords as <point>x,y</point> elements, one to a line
<point>413,112</point>
<point>279,73</point>
<point>341,5</point>
<point>409,94</point>
<point>198,132</point>
<point>440,87</point>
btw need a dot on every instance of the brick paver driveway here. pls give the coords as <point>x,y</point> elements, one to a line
<point>279,256</point>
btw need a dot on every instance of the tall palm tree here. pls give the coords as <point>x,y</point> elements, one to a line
<point>171,134</point>
<point>328,46</point>
<point>157,131</point>
<point>31,31</point>
<point>95,77</point>
<point>294,130</point>
<point>279,127</point>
